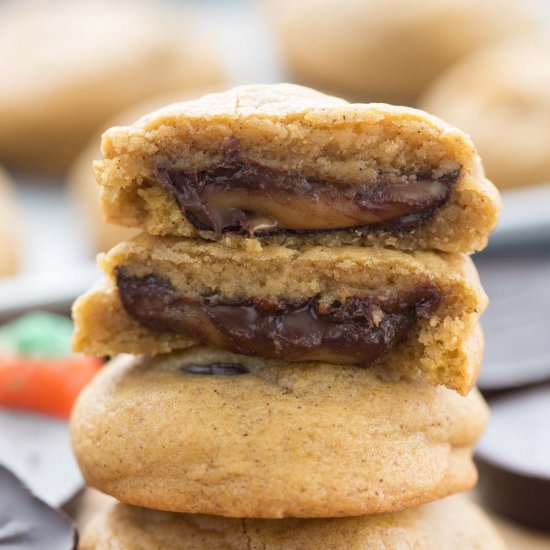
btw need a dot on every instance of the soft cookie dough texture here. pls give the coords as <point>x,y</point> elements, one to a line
<point>298,130</point>
<point>386,50</point>
<point>451,524</point>
<point>68,66</point>
<point>501,97</point>
<point>85,194</point>
<point>84,189</point>
<point>8,227</point>
<point>294,439</point>
<point>445,346</point>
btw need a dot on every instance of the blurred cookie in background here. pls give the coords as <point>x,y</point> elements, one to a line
<point>8,227</point>
<point>501,97</point>
<point>68,66</point>
<point>85,190</point>
<point>386,50</point>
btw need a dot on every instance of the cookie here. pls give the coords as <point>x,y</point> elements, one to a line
<point>500,97</point>
<point>85,191</point>
<point>285,165</point>
<point>69,66</point>
<point>415,311</point>
<point>452,524</point>
<point>8,228</point>
<point>86,197</point>
<point>210,432</point>
<point>380,50</point>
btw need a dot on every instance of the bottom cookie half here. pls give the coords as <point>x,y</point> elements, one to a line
<point>450,524</point>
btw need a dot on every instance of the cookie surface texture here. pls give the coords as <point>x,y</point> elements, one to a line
<point>205,431</point>
<point>288,165</point>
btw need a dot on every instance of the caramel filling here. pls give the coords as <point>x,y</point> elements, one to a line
<point>240,195</point>
<point>360,330</point>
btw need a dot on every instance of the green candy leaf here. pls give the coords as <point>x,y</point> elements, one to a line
<point>37,334</point>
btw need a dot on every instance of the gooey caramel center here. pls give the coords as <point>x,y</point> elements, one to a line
<point>241,195</point>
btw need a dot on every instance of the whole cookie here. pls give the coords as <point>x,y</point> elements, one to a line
<point>210,432</point>
<point>8,227</point>
<point>450,524</point>
<point>68,66</point>
<point>501,96</point>
<point>380,50</point>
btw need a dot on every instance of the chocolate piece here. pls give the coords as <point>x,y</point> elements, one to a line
<point>218,369</point>
<point>241,195</point>
<point>517,345</point>
<point>513,457</point>
<point>26,522</point>
<point>360,330</point>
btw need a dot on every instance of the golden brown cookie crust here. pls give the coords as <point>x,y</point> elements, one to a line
<point>86,196</point>
<point>298,129</point>
<point>445,347</point>
<point>83,187</point>
<point>450,524</point>
<point>294,439</point>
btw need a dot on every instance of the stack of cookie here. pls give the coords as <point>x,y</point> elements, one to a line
<point>303,327</point>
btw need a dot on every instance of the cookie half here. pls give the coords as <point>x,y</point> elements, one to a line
<point>413,311</point>
<point>452,524</point>
<point>284,164</point>
<point>210,432</point>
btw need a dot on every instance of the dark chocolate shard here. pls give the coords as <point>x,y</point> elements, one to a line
<point>216,369</point>
<point>28,523</point>
<point>513,457</point>
<point>240,195</point>
<point>360,330</point>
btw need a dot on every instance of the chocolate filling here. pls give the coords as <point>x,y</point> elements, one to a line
<point>218,369</point>
<point>359,330</point>
<point>240,195</point>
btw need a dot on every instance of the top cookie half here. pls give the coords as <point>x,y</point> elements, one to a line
<point>283,163</point>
